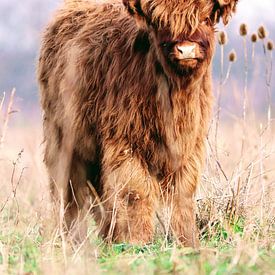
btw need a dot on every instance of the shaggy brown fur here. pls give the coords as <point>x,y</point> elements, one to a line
<point>126,108</point>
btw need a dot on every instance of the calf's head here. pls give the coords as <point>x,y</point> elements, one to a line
<point>182,30</point>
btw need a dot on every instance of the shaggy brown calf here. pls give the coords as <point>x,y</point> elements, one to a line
<point>126,94</point>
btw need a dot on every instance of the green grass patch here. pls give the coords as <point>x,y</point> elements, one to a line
<point>220,254</point>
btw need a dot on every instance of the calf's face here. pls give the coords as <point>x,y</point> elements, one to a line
<point>188,51</point>
<point>182,30</point>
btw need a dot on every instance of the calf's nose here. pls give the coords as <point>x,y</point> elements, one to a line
<point>186,51</point>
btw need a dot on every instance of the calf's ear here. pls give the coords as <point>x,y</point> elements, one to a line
<point>134,8</point>
<point>223,9</point>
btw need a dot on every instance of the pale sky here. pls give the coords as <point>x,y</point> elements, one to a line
<point>255,13</point>
<point>256,9</point>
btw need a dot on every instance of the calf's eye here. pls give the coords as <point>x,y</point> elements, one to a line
<point>164,45</point>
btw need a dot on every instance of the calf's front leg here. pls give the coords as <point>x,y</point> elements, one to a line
<point>129,198</point>
<point>182,203</point>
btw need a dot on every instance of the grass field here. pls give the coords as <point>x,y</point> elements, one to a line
<point>235,201</point>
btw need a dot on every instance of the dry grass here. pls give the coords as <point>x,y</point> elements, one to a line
<point>235,203</point>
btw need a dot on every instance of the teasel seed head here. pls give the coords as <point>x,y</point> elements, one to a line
<point>243,30</point>
<point>222,38</point>
<point>270,45</point>
<point>262,32</point>
<point>232,56</point>
<point>254,38</point>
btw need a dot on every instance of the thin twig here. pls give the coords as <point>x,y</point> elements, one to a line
<point>6,118</point>
<point>219,100</point>
<point>2,101</point>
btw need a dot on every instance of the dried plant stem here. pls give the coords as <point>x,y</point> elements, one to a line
<point>2,101</point>
<point>245,100</point>
<point>14,185</point>
<point>262,183</point>
<point>6,118</point>
<point>248,183</point>
<point>227,73</point>
<point>268,83</point>
<point>268,75</point>
<point>62,211</point>
<point>245,96</point>
<point>219,99</point>
<point>253,53</point>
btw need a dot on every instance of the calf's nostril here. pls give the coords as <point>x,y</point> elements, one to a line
<point>179,49</point>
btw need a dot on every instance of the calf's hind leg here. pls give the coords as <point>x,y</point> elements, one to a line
<point>60,164</point>
<point>57,157</point>
<point>79,200</point>
<point>70,194</point>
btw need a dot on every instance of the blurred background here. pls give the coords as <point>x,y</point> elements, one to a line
<point>22,22</point>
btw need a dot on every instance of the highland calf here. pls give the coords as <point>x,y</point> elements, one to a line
<point>126,93</point>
